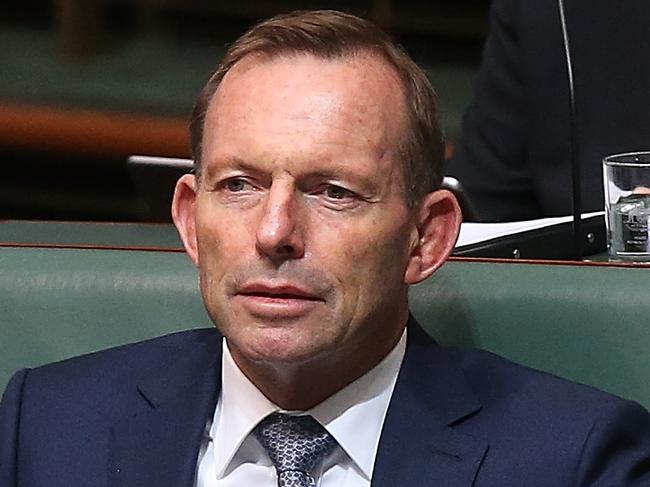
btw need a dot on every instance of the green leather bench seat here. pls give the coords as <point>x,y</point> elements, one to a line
<point>586,323</point>
<point>104,234</point>
<point>57,303</point>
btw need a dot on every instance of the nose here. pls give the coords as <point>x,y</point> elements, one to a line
<point>279,233</point>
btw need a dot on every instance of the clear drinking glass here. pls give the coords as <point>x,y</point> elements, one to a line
<point>627,206</point>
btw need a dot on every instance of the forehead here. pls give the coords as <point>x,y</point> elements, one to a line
<point>355,101</point>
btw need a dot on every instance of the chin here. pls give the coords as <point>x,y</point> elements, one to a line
<point>279,346</point>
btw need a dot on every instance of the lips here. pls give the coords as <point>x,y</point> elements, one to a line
<point>276,301</point>
<point>278,292</point>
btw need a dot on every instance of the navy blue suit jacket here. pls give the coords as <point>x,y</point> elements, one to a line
<point>135,415</point>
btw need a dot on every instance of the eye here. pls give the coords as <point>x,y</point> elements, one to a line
<point>337,197</point>
<point>337,192</point>
<point>236,185</point>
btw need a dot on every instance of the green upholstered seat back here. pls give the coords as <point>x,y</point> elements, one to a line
<point>57,303</point>
<point>98,234</point>
<point>586,323</point>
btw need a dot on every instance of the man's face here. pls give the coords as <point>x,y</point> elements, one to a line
<point>300,226</point>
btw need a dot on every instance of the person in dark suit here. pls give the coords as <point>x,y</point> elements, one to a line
<point>135,416</point>
<point>514,154</point>
<point>314,206</point>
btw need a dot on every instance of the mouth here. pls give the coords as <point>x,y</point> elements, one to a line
<point>278,292</point>
<point>272,302</point>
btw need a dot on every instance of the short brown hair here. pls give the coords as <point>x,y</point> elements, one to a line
<point>329,34</point>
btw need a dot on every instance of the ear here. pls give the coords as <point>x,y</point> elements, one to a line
<point>184,214</point>
<point>438,225</point>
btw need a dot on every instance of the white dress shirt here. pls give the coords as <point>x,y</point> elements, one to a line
<point>230,456</point>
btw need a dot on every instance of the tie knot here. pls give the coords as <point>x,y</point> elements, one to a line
<point>296,445</point>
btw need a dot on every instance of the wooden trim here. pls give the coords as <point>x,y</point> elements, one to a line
<point>91,133</point>
<point>491,260</point>
<point>86,222</point>
<point>480,260</point>
<point>137,248</point>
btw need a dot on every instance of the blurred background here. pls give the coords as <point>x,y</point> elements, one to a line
<point>86,83</point>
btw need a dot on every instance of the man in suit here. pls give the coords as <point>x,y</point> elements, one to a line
<point>314,206</point>
<point>514,156</point>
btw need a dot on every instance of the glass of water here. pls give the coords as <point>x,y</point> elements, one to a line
<point>627,204</point>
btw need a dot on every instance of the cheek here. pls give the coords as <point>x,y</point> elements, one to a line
<point>222,247</point>
<point>365,258</point>
<point>222,234</point>
<point>217,260</point>
<point>385,263</point>
<point>210,247</point>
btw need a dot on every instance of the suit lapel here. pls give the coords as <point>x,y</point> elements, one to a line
<point>418,445</point>
<point>160,444</point>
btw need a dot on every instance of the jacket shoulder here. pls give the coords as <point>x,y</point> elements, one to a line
<point>107,380</point>
<point>586,434</point>
<point>139,356</point>
<point>492,376</point>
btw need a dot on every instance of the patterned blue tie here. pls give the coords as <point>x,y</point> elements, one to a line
<point>296,444</point>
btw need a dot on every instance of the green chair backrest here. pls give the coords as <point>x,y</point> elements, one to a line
<point>585,323</point>
<point>57,303</point>
<point>97,234</point>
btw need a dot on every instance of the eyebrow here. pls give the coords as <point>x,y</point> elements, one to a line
<point>228,162</point>
<point>234,162</point>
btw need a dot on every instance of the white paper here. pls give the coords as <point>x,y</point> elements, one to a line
<point>472,233</point>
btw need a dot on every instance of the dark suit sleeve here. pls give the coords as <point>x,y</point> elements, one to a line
<point>491,160</point>
<point>9,426</point>
<point>617,450</point>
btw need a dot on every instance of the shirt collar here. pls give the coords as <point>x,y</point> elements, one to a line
<point>240,408</point>
<point>354,416</point>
